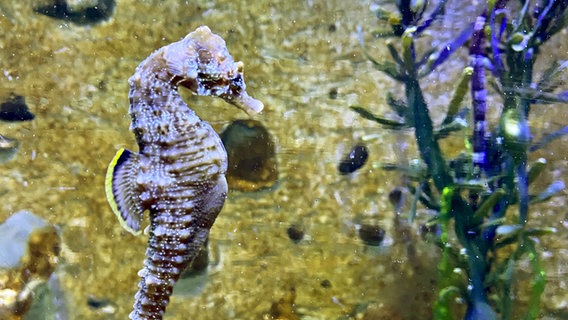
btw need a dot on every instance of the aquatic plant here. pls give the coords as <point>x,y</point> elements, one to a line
<point>483,192</point>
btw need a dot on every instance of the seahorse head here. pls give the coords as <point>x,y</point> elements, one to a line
<point>207,68</point>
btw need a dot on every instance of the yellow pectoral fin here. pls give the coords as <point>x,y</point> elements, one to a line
<point>121,190</point>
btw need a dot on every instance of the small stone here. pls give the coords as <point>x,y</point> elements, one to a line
<point>15,109</point>
<point>252,156</point>
<point>371,235</point>
<point>354,160</point>
<point>333,93</point>
<point>82,12</point>
<point>395,198</point>
<point>101,305</point>
<point>325,283</point>
<point>295,233</point>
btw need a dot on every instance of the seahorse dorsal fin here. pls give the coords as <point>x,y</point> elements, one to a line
<point>121,192</point>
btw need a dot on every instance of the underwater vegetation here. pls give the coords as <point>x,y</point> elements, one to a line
<point>481,198</point>
<point>178,175</point>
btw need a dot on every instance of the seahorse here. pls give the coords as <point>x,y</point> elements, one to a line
<point>178,174</point>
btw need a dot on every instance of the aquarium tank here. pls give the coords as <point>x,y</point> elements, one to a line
<point>291,160</point>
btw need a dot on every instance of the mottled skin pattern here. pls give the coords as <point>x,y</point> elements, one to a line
<point>180,176</point>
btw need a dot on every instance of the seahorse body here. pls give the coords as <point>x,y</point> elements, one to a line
<point>178,175</point>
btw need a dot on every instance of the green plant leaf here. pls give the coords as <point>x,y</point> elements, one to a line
<point>560,23</point>
<point>492,223</point>
<point>551,78</point>
<point>442,310</point>
<point>539,232</point>
<point>477,185</point>
<point>408,55</point>
<point>459,94</point>
<point>394,54</point>
<point>397,106</point>
<point>415,170</point>
<point>370,116</point>
<point>536,169</point>
<point>554,188</point>
<point>549,138</point>
<point>487,206</point>
<point>538,282</point>
<point>458,123</point>
<point>388,67</point>
<point>538,96</point>
<point>412,211</point>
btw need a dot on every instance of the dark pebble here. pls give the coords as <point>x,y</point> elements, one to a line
<point>325,283</point>
<point>83,16</point>
<point>15,109</point>
<point>295,233</point>
<point>395,198</point>
<point>371,235</point>
<point>97,303</point>
<point>333,93</point>
<point>354,160</point>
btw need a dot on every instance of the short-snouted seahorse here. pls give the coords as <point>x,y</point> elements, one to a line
<point>178,175</point>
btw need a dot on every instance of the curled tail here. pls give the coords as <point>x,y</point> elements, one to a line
<point>178,229</point>
<point>166,258</point>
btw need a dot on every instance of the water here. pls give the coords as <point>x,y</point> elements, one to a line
<point>303,60</point>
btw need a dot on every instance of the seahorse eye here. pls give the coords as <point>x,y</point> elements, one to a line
<point>236,84</point>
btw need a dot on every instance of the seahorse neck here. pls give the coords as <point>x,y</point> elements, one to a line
<point>154,82</point>
<point>158,112</point>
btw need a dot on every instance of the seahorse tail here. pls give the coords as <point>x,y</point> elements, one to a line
<point>166,257</point>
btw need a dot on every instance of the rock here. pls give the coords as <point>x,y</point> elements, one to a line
<point>353,161</point>
<point>396,198</point>
<point>14,235</point>
<point>371,235</point>
<point>101,305</point>
<point>29,251</point>
<point>295,233</point>
<point>252,157</point>
<point>14,108</point>
<point>82,12</point>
